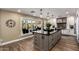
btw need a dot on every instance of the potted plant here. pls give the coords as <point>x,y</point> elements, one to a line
<point>48,25</point>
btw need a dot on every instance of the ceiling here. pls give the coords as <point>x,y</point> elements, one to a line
<point>53,12</point>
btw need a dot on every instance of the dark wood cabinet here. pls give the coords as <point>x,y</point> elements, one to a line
<point>61,22</point>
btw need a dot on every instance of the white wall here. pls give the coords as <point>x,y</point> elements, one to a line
<point>12,33</point>
<point>70,21</point>
<point>6,32</point>
<point>68,30</point>
<point>53,21</point>
<point>77,28</point>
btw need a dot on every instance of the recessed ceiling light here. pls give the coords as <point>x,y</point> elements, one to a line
<point>19,10</point>
<point>32,12</point>
<point>67,12</point>
<point>40,9</point>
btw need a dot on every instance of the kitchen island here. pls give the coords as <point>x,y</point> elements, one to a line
<point>45,42</point>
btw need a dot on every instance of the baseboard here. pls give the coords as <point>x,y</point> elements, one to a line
<point>68,35</point>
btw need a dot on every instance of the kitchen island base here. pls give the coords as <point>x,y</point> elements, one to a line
<point>45,42</point>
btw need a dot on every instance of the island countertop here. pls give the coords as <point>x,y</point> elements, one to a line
<point>44,32</point>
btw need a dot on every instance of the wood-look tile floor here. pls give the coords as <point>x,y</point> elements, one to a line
<point>67,43</point>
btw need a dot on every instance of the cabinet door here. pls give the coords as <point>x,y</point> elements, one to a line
<point>51,41</point>
<point>71,32</point>
<point>44,42</point>
<point>68,31</point>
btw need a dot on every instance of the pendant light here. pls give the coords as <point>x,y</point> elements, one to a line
<point>41,13</point>
<point>47,15</point>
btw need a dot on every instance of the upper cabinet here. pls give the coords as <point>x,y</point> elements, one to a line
<point>61,22</point>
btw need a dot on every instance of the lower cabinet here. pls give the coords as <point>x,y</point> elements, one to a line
<point>68,32</point>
